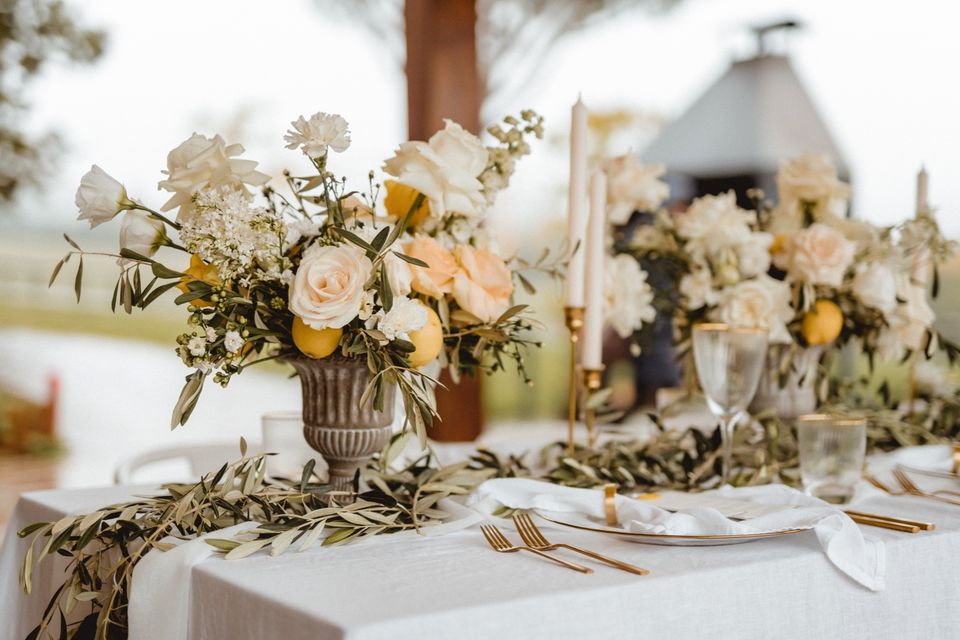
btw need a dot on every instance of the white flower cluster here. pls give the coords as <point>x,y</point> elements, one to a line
<point>243,241</point>
<point>502,160</point>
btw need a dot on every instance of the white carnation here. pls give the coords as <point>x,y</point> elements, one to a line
<point>713,223</point>
<point>633,186</point>
<point>629,298</point>
<point>316,135</point>
<point>204,163</point>
<point>405,315</point>
<point>762,303</point>
<point>445,169</point>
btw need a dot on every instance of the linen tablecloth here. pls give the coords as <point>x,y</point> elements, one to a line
<point>454,586</point>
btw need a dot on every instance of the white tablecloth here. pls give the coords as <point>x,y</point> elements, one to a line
<point>454,586</point>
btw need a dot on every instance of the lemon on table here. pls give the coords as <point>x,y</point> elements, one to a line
<point>315,343</point>
<point>428,340</point>
<point>822,323</point>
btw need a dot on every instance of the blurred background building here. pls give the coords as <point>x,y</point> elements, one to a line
<point>679,81</point>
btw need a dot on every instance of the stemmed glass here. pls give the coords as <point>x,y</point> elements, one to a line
<point>729,361</point>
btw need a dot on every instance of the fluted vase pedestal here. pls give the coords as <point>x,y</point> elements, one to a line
<point>335,424</point>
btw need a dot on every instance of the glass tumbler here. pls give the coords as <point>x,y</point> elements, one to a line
<point>832,451</point>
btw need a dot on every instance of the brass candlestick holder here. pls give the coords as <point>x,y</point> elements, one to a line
<point>592,381</point>
<point>573,318</point>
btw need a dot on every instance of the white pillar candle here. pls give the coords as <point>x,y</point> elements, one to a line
<point>577,204</point>
<point>922,180</point>
<point>596,258</point>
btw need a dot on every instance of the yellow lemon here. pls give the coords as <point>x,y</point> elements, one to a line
<point>199,270</point>
<point>428,340</point>
<point>822,323</point>
<point>400,198</point>
<point>315,343</point>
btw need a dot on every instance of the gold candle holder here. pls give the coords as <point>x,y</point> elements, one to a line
<point>573,318</point>
<point>592,381</point>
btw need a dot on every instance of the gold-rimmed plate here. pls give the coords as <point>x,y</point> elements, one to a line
<point>566,520</point>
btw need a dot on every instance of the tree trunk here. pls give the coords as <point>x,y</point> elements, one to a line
<point>443,82</point>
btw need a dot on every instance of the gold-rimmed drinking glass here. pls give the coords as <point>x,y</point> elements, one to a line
<point>729,363</point>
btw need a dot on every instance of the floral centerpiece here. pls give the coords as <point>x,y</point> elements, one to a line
<point>386,279</point>
<point>799,268</point>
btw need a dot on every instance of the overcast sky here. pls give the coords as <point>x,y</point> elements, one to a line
<point>885,79</point>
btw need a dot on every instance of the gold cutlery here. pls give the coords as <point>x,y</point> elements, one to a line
<point>955,470</point>
<point>894,492</point>
<point>500,543</point>
<point>884,524</point>
<point>533,538</point>
<point>912,489</point>
<point>922,526</point>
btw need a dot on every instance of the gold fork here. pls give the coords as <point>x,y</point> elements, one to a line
<point>911,488</point>
<point>500,543</point>
<point>532,536</point>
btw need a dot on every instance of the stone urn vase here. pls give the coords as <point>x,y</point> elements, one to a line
<point>788,387</point>
<point>335,424</point>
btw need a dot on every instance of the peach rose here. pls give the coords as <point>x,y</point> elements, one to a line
<point>437,279</point>
<point>484,283</point>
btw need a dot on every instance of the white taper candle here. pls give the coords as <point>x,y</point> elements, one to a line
<point>595,272</point>
<point>577,203</point>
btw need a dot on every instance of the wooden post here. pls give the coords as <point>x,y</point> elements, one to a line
<point>443,82</point>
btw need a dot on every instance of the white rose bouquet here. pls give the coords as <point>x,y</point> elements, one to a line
<point>799,268</point>
<point>399,281</point>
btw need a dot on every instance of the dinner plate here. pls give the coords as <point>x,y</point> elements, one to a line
<point>583,524</point>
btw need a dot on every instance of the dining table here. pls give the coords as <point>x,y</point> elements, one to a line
<point>410,586</point>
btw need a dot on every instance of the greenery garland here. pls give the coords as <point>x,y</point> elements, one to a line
<point>104,546</point>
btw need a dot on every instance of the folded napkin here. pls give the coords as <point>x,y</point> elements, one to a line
<point>932,457</point>
<point>862,558</point>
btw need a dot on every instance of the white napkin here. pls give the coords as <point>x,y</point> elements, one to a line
<point>862,558</point>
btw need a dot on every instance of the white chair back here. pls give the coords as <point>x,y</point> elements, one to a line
<point>200,459</point>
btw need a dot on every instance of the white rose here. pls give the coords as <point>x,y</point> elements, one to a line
<point>633,186</point>
<point>809,180</point>
<point>232,341</point>
<point>328,287</point>
<point>629,299</point>
<point>445,169</point>
<point>100,197</point>
<point>713,223</point>
<point>316,135</point>
<point>876,286</point>
<point>405,315</point>
<point>819,254</point>
<point>698,290</point>
<point>142,233</point>
<point>753,256</point>
<point>763,303</point>
<point>201,162</point>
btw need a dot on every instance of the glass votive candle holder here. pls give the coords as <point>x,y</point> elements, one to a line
<point>832,451</point>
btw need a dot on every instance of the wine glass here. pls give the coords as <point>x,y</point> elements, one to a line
<point>729,363</point>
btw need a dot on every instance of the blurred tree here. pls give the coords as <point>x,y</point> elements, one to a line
<point>33,33</point>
